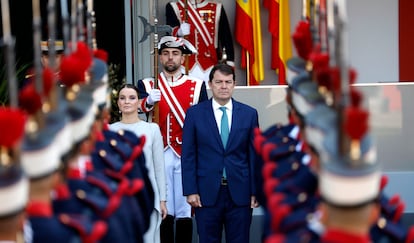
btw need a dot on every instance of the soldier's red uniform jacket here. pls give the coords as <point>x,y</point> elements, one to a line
<point>210,31</point>
<point>176,97</point>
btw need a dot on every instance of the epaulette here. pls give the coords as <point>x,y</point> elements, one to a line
<point>127,136</point>
<point>285,167</point>
<point>277,147</point>
<point>391,208</point>
<point>101,205</point>
<point>387,231</point>
<point>126,186</point>
<point>89,232</point>
<point>279,130</point>
<point>297,220</point>
<point>296,201</point>
<point>304,181</point>
<point>102,159</point>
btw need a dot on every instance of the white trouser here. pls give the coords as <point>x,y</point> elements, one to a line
<point>176,203</point>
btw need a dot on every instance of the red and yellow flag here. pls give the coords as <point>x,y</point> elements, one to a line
<point>249,36</point>
<point>279,27</point>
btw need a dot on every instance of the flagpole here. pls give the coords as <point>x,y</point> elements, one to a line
<point>248,68</point>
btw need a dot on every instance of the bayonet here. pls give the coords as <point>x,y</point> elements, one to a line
<point>149,29</point>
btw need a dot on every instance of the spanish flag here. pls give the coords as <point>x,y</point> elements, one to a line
<point>279,27</point>
<point>249,35</point>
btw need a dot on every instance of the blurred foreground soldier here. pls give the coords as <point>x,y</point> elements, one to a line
<point>177,92</point>
<point>349,188</point>
<point>41,160</point>
<point>13,195</point>
<point>14,185</point>
<point>204,23</point>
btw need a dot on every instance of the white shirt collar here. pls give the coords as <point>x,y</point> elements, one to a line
<point>228,105</point>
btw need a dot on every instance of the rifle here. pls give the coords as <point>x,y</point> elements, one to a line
<point>187,57</point>
<point>51,20</point>
<point>8,42</point>
<point>338,58</point>
<point>73,31</point>
<point>91,26</point>
<point>38,118</point>
<point>65,25</point>
<point>81,34</point>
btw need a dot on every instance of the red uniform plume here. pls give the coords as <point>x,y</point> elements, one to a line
<point>101,54</point>
<point>13,121</point>
<point>302,39</point>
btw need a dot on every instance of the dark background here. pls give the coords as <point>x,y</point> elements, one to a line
<point>109,29</point>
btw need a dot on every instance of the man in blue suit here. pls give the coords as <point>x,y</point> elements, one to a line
<point>218,166</point>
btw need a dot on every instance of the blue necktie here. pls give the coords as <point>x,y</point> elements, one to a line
<point>224,132</point>
<point>224,129</point>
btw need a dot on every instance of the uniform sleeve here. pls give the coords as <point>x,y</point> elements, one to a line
<point>171,19</point>
<point>158,160</point>
<point>143,94</point>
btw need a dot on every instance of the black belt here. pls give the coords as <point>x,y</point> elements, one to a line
<point>223,181</point>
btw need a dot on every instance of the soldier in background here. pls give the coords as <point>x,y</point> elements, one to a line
<point>59,48</point>
<point>176,93</point>
<point>204,23</point>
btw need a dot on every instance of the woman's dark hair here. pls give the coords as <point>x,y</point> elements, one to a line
<point>130,86</point>
<point>224,69</point>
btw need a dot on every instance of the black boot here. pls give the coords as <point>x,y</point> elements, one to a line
<point>167,229</point>
<point>184,230</point>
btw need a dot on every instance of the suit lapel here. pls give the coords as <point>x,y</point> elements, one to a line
<point>234,117</point>
<point>211,120</point>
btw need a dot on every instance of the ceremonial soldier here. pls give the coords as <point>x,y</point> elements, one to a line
<point>204,23</point>
<point>176,93</point>
<point>13,195</point>
<point>59,48</point>
<point>48,59</point>
<point>14,184</point>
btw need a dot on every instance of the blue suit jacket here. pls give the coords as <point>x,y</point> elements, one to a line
<point>204,157</point>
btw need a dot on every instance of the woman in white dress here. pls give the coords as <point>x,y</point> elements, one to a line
<point>128,103</point>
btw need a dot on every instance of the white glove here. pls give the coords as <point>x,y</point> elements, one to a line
<point>184,29</point>
<point>153,96</point>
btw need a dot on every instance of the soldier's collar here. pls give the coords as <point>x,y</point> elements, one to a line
<point>173,77</point>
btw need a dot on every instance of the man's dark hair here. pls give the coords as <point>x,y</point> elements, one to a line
<point>224,69</point>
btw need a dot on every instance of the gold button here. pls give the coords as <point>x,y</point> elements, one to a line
<point>81,194</point>
<point>382,222</point>
<point>302,197</point>
<point>102,153</point>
